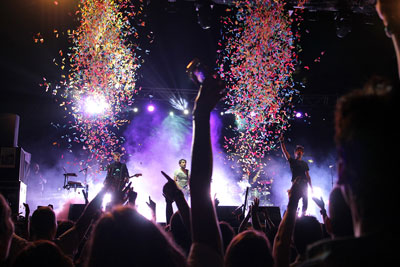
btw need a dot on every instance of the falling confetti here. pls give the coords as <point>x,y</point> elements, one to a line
<point>99,75</point>
<point>257,59</point>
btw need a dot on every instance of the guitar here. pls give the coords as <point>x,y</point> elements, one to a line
<point>119,184</point>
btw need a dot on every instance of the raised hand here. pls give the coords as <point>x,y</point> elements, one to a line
<point>170,189</point>
<point>210,92</point>
<point>255,205</point>
<point>27,209</point>
<point>132,195</point>
<point>320,202</point>
<point>151,204</point>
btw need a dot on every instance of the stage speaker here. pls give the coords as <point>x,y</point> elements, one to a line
<point>274,214</point>
<point>15,194</point>
<point>228,214</point>
<point>75,211</point>
<point>9,129</point>
<point>14,164</point>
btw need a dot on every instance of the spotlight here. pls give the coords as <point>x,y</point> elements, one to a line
<point>135,109</point>
<point>95,105</point>
<point>186,111</point>
<point>178,102</point>
<point>299,115</point>
<point>151,108</point>
<point>222,113</point>
<point>106,199</point>
<point>171,113</point>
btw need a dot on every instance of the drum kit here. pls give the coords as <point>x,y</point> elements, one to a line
<point>261,190</point>
<point>75,185</point>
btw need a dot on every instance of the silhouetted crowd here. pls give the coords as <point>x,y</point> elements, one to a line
<point>359,228</point>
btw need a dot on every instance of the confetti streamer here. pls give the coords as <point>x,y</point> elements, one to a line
<point>257,59</point>
<point>100,80</point>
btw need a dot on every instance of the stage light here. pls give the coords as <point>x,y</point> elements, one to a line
<point>299,115</point>
<point>186,111</point>
<point>135,109</point>
<point>151,108</point>
<point>171,113</point>
<point>106,199</point>
<point>178,102</point>
<point>222,113</point>
<point>95,105</point>
<point>315,192</point>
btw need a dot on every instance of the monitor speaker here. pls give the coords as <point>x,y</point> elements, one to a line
<point>75,211</point>
<point>9,129</point>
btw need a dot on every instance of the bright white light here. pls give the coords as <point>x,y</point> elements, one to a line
<point>150,108</point>
<point>171,113</point>
<point>135,109</point>
<point>317,192</point>
<point>178,103</point>
<point>96,105</point>
<point>299,115</point>
<point>186,111</point>
<point>106,199</point>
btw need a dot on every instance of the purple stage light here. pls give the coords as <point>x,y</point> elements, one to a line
<point>151,108</point>
<point>299,115</point>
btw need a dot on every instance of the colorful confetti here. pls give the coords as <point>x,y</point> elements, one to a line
<point>98,84</point>
<point>257,59</point>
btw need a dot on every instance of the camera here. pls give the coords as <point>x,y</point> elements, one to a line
<point>197,71</point>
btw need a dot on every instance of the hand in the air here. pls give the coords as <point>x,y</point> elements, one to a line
<point>151,204</point>
<point>170,189</point>
<point>320,202</point>
<point>255,205</point>
<point>210,92</point>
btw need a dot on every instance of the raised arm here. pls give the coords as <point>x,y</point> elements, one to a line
<point>255,219</point>
<point>172,193</point>
<point>281,247</point>
<point>283,147</point>
<point>69,241</point>
<point>205,229</point>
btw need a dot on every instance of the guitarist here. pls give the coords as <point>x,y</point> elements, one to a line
<point>117,174</point>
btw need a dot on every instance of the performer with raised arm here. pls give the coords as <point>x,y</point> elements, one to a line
<point>181,177</point>
<point>299,168</point>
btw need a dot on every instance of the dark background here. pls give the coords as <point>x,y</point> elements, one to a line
<point>347,63</point>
